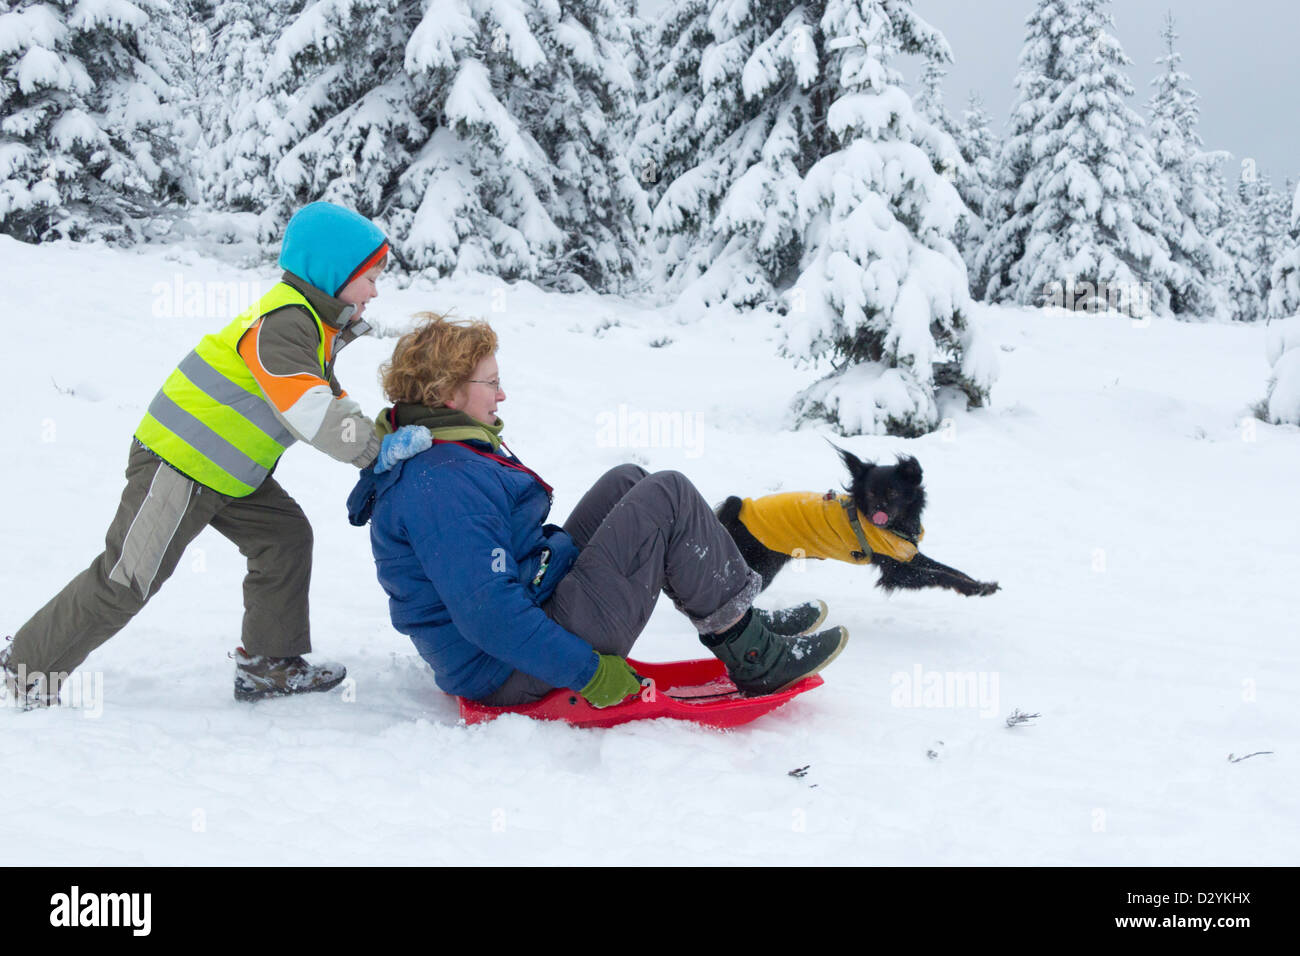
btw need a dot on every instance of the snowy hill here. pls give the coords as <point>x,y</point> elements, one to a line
<point>1142,526</point>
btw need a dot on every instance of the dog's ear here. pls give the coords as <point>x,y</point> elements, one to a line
<point>909,469</point>
<point>855,465</point>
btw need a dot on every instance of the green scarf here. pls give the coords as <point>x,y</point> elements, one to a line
<point>449,424</point>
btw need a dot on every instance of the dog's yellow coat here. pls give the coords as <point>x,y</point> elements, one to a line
<point>817,525</point>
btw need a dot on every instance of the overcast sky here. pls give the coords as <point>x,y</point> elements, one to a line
<point>1242,56</point>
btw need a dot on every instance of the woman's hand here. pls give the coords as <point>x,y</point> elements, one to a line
<point>614,681</point>
<point>406,442</point>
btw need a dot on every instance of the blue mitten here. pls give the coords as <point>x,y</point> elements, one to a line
<point>406,442</point>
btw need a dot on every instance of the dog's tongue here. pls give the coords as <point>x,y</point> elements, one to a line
<point>879,519</point>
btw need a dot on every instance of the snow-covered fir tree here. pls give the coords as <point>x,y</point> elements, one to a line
<point>979,148</point>
<point>1233,237</point>
<point>928,101</point>
<point>1174,113</point>
<point>1281,405</point>
<point>1084,209</point>
<point>882,291</point>
<point>1284,294</point>
<point>481,132</point>
<point>1264,221</point>
<point>531,174</point>
<point>812,186</point>
<point>943,133</point>
<point>727,215</point>
<point>965,155</point>
<point>354,121</point>
<point>244,116</point>
<point>586,126</point>
<point>667,141</point>
<point>87,145</point>
<point>1009,211</point>
<point>175,44</point>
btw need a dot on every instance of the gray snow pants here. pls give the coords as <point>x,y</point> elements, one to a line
<point>161,512</point>
<point>641,534</point>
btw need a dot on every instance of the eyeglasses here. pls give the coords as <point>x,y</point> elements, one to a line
<point>495,383</point>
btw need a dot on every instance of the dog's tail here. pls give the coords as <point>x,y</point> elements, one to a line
<point>729,512</point>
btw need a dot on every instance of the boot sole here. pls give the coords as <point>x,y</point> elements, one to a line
<point>253,695</point>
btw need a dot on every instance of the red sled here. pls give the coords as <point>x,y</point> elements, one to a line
<point>698,691</point>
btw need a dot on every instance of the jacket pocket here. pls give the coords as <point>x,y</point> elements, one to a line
<point>533,571</point>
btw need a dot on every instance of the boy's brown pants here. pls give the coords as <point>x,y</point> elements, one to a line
<point>161,512</point>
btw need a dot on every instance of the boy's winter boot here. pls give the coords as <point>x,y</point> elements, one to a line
<point>23,692</point>
<point>760,661</point>
<point>792,621</point>
<point>257,677</point>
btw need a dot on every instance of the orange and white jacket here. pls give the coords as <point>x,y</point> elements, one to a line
<point>280,349</point>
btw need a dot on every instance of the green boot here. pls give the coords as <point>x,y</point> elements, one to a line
<point>792,621</point>
<point>760,661</point>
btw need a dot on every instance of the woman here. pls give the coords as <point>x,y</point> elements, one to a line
<point>506,608</point>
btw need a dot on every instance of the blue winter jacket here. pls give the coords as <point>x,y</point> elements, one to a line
<point>458,540</point>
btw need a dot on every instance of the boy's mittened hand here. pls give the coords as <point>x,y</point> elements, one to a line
<point>406,442</point>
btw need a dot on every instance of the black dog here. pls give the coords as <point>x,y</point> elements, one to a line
<point>888,496</point>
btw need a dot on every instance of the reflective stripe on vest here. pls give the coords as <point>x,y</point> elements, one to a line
<point>211,419</point>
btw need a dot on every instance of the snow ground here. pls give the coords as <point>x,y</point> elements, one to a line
<point>1143,529</point>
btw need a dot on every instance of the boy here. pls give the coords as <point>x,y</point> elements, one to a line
<point>203,455</point>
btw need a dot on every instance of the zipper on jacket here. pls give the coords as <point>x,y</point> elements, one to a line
<point>361,326</point>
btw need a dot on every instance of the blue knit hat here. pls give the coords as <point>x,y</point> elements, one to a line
<point>329,245</point>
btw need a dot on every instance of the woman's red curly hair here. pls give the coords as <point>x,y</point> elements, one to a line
<point>435,359</point>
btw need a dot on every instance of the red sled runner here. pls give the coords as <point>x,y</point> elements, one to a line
<point>698,691</point>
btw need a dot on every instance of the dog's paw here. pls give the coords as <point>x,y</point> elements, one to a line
<point>986,588</point>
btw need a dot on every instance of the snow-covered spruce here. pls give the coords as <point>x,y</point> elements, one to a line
<point>727,219</point>
<point>1282,338</point>
<point>1203,289</point>
<point>247,120</point>
<point>966,151</point>
<point>1084,207</point>
<point>1282,347</point>
<point>666,137</point>
<point>979,147</point>
<point>666,141</point>
<point>354,121</point>
<point>480,132</point>
<point>883,291</point>
<point>1264,217</point>
<point>87,144</point>
<point>1234,236</point>
<point>1284,292</point>
<point>814,188</point>
<point>1009,211</point>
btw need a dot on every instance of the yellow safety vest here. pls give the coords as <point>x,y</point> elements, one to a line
<point>211,420</point>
